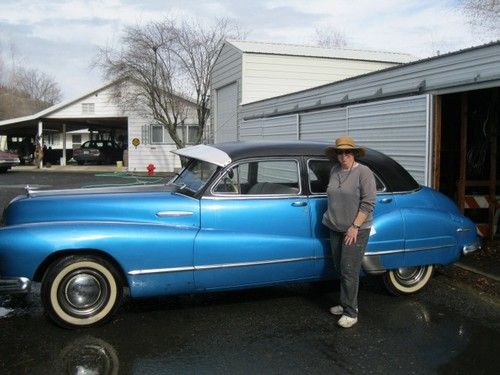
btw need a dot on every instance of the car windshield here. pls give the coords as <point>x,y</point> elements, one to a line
<point>195,175</point>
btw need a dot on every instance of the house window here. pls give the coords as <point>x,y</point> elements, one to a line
<point>157,133</point>
<point>52,139</point>
<point>188,133</point>
<point>76,140</point>
<point>88,108</point>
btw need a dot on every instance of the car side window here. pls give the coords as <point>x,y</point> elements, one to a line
<point>319,175</point>
<point>232,180</point>
<point>269,177</point>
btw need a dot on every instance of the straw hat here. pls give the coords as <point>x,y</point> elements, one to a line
<point>344,143</point>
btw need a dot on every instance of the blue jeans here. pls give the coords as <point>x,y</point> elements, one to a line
<point>347,260</point>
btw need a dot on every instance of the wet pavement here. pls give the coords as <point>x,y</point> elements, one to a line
<point>444,329</point>
<point>451,327</point>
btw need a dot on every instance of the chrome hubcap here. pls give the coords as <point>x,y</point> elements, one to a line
<point>82,291</point>
<point>410,275</point>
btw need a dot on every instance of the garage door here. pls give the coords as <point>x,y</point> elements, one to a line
<point>226,107</point>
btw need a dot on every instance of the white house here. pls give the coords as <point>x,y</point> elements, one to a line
<point>247,72</point>
<point>67,125</point>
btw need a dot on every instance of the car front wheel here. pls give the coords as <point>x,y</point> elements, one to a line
<point>407,280</point>
<point>81,291</point>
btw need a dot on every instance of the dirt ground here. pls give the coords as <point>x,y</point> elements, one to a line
<point>486,259</point>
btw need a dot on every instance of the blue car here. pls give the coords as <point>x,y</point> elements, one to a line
<point>239,215</point>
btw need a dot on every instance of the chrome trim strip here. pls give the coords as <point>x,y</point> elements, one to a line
<point>174,213</point>
<point>251,197</point>
<point>220,266</point>
<point>259,263</point>
<point>372,253</point>
<point>248,264</point>
<point>160,270</point>
<point>430,248</point>
<point>31,192</point>
<point>462,229</point>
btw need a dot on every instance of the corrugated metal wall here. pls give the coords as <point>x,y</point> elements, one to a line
<point>323,125</point>
<point>282,128</point>
<point>398,128</point>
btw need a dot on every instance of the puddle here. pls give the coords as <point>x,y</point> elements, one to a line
<point>4,312</point>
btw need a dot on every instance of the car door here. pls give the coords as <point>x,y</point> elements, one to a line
<point>386,244</point>
<point>255,227</point>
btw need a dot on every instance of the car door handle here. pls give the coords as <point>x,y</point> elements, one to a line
<point>385,200</point>
<point>299,204</point>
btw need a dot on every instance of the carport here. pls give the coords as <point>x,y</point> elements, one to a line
<point>95,112</point>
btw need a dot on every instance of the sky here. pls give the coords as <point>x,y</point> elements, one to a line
<point>61,37</point>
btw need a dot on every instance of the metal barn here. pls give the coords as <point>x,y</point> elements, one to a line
<point>438,117</point>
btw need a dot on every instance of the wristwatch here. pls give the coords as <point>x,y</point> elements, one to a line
<point>356,226</point>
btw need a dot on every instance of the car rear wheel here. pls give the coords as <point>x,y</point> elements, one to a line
<point>407,280</point>
<point>81,291</point>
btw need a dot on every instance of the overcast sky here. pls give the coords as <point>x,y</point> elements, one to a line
<point>60,37</point>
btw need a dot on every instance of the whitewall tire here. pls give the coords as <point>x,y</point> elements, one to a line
<point>81,291</point>
<point>407,280</point>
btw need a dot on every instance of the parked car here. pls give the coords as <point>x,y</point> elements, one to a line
<point>238,215</point>
<point>8,160</point>
<point>101,152</point>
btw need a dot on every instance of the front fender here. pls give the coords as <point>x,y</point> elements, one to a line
<point>133,246</point>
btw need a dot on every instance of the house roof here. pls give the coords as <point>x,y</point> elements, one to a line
<point>313,51</point>
<point>59,106</point>
<point>457,71</point>
<point>55,107</point>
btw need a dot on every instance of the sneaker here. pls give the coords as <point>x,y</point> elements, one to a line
<point>346,321</point>
<point>337,310</point>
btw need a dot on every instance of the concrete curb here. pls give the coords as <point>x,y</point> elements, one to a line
<point>477,271</point>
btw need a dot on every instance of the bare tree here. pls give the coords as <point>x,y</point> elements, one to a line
<point>146,75</point>
<point>329,37</point>
<point>169,63</point>
<point>484,13</point>
<point>24,91</point>
<point>37,85</point>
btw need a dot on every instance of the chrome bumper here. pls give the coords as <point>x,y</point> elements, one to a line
<point>470,248</point>
<point>15,285</point>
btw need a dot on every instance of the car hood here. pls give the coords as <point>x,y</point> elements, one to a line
<point>158,204</point>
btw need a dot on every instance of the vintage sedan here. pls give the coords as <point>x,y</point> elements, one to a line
<point>239,215</point>
<point>98,151</point>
